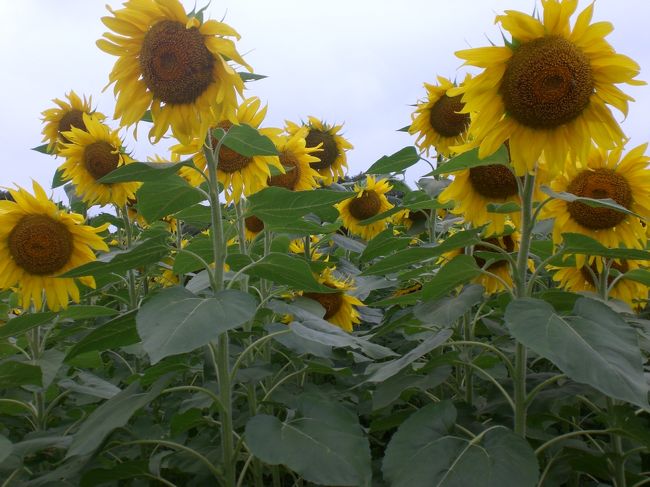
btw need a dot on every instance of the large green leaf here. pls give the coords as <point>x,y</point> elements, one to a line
<point>85,311</point>
<point>593,345</point>
<point>118,332</point>
<point>594,202</point>
<point>445,311</point>
<point>470,159</point>
<point>5,448</point>
<point>176,321</point>
<point>424,453</point>
<point>25,322</point>
<point>118,471</point>
<point>382,245</point>
<point>323,443</point>
<point>112,414</point>
<point>165,196</point>
<point>15,374</point>
<point>247,141</point>
<point>119,261</point>
<point>185,260</point>
<point>457,271</point>
<point>143,171</point>
<point>397,162</point>
<point>577,243</point>
<point>282,204</point>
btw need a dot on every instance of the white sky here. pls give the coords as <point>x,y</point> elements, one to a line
<point>361,62</point>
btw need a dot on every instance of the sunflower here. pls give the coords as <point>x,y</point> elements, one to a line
<point>549,89</point>
<point>90,155</point>
<point>332,160</point>
<point>339,306</point>
<point>605,175</point>
<point>252,227</point>
<point>586,278</point>
<point>173,64</point>
<point>238,174</point>
<point>437,120</point>
<point>370,201</point>
<point>297,246</point>
<point>296,158</point>
<point>473,189</point>
<point>38,241</point>
<point>67,115</point>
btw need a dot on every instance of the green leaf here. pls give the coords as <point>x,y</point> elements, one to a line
<point>143,171</point>
<point>321,430</point>
<point>175,321</point>
<point>245,76</point>
<point>6,447</point>
<point>383,244</point>
<point>593,202</point>
<point>457,271</point>
<point>247,141</point>
<point>593,346</point>
<point>381,372</point>
<point>423,453</point>
<point>288,270</point>
<point>282,204</point>
<point>198,215</point>
<point>391,389</point>
<point>57,180</point>
<point>112,414</point>
<point>147,117</point>
<point>185,262</point>
<point>509,207</point>
<point>400,260</point>
<point>397,162</point>
<point>89,384</point>
<point>577,243</point>
<point>85,311</point>
<point>158,199</point>
<point>25,322</point>
<point>299,226</point>
<point>118,471</point>
<point>42,149</point>
<point>638,275</point>
<point>470,159</point>
<point>15,374</point>
<point>119,261</point>
<point>445,311</point>
<point>119,332</point>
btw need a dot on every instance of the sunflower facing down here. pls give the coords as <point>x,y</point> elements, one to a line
<point>369,201</point>
<point>332,159</point>
<point>296,158</point>
<point>586,278</point>
<point>437,120</point>
<point>90,155</point>
<point>64,117</point>
<point>173,64</point>
<point>240,175</point>
<point>339,306</point>
<point>38,241</point>
<point>605,175</point>
<point>548,90</point>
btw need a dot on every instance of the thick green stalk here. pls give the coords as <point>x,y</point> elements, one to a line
<point>468,335</point>
<point>128,232</point>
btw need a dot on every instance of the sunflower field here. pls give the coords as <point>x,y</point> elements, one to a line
<point>244,312</point>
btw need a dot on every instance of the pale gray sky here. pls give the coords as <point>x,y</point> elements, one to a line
<point>361,62</point>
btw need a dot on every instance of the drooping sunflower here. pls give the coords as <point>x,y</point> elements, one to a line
<point>438,121</point>
<point>473,189</point>
<point>586,278</point>
<point>90,155</point>
<point>369,201</point>
<point>296,158</point>
<point>604,175</point>
<point>252,226</point>
<point>240,175</point>
<point>65,116</point>
<point>332,159</point>
<point>173,64</point>
<point>549,89</point>
<point>339,306</point>
<point>38,242</point>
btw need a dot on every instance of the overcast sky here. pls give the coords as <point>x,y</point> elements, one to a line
<point>360,62</point>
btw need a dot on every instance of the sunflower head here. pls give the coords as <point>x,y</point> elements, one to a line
<point>297,246</point>
<point>253,226</point>
<point>65,116</point>
<point>439,121</point>
<point>176,65</point>
<point>339,306</point>
<point>90,155</point>
<point>296,158</point>
<point>549,90</point>
<point>370,200</point>
<point>331,154</point>
<point>38,242</point>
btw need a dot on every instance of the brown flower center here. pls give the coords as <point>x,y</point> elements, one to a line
<point>176,65</point>
<point>547,83</point>
<point>40,244</point>
<point>100,158</point>
<point>623,267</point>
<point>253,224</point>
<point>365,206</point>
<point>332,302</point>
<point>444,116</point>
<point>74,118</point>
<point>329,151</point>
<point>506,243</point>
<point>493,181</point>
<point>229,160</point>
<point>599,184</point>
<point>291,177</point>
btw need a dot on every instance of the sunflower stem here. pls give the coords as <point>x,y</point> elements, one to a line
<point>128,233</point>
<point>469,337</point>
<point>179,246</point>
<point>243,248</point>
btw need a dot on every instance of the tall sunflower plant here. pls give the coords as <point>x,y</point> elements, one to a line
<point>242,311</point>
